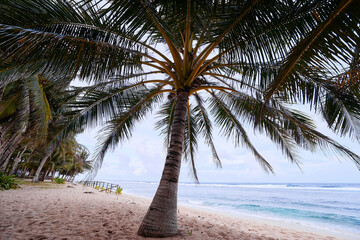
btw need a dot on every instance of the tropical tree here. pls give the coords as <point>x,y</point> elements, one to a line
<point>59,101</point>
<point>243,62</point>
<point>31,111</point>
<point>25,113</point>
<point>68,159</point>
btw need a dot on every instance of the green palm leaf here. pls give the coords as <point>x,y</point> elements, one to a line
<point>205,126</point>
<point>190,143</point>
<point>121,126</point>
<point>309,50</point>
<point>231,127</point>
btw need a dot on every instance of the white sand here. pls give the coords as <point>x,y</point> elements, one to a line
<point>67,212</point>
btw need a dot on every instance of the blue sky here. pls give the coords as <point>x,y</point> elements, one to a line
<point>142,158</point>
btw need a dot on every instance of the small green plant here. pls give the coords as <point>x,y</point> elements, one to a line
<point>102,189</point>
<point>7,182</point>
<point>59,180</point>
<point>189,232</point>
<point>97,187</point>
<point>118,190</point>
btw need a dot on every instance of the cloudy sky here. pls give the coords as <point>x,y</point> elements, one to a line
<point>142,158</point>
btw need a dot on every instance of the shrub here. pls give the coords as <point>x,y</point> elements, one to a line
<point>7,182</point>
<point>118,190</point>
<point>59,180</point>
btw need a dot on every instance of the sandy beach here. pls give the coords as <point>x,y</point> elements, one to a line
<point>71,211</point>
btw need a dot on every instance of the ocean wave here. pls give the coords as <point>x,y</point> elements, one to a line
<point>298,186</point>
<point>233,185</point>
<point>194,202</point>
<point>276,186</point>
<point>339,188</point>
<point>314,203</point>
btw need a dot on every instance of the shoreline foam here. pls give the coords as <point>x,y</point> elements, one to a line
<point>299,225</point>
<point>67,212</point>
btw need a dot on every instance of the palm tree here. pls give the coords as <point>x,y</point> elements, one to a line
<point>59,98</point>
<point>31,111</point>
<point>69,158</point>
<point>25,112</point>
<point>241,61</point>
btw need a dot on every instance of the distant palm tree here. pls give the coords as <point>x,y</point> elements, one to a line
<point>24,113</point>
<point>241,61</point>
<point>31,111</point>
<point>60,97</point>
<point>69,159</point>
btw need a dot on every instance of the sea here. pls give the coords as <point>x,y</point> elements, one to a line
<point>331,207</point>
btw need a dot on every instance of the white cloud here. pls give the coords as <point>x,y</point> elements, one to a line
<point>226,161</point>
<point>137,166</point>
<point>142,158</point>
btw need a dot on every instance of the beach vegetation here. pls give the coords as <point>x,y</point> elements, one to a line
<point>198,64</point>
<point>42,184</point>
<point>118,190</point>
<point>97,187</point>
<point>190,232</point>
<point>59,180</point>
<point>32,111</point>
<point>7,182</point>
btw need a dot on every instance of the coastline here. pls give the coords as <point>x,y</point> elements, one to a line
<point>71,211</point>
<point>293,225</point>
<point>300,226</point>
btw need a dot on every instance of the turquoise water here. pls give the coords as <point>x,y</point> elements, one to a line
<point>327,206</point>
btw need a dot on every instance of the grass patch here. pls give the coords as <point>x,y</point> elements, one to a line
<point>43,185</point>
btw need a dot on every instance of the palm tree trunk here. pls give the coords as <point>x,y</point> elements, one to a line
<point>43,161</point>
<point>52,175</point>
<point>74,175</point>
<point>31,172</point>
<point>46,173</point>
<point>2,90</point>
<point>24,171</point>
<point>161,218</point>
<point>6,163</point>
<point>16,162</point>
<point>3,132</point>
<point>10,148</point>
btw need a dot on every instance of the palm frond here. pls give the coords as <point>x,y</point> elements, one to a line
<point>7,106</point>
<point>164,124</point>
<point>322,48</point>
<point>205,127</point>
<point>341,110</point>
<point>42,113</point>
<point>190,142</point>
<point>121,126</point>
<point>280,131</point>
<point>231,127</point>
<point>96,106</point>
